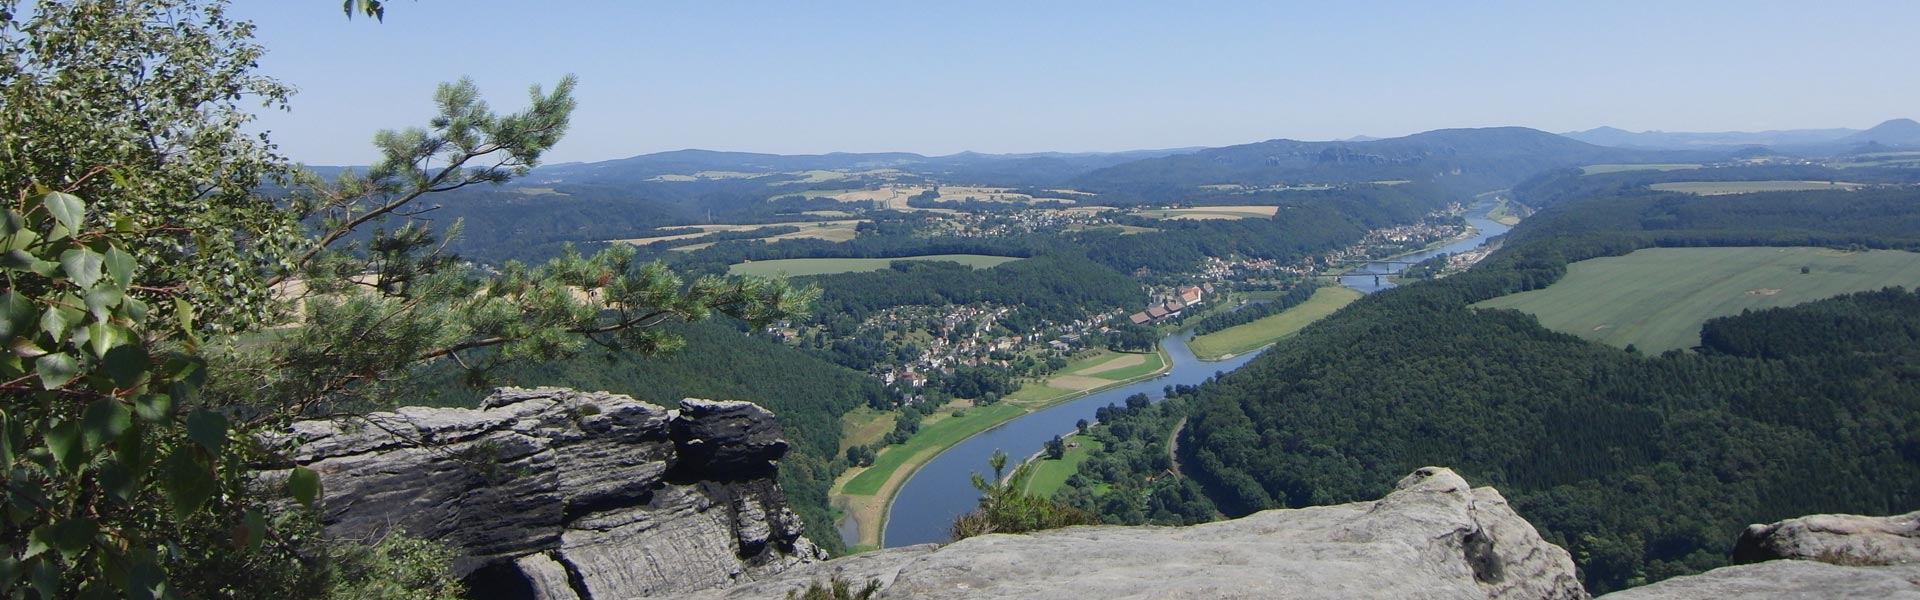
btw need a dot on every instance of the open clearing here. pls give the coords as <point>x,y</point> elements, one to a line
<point>1716,188</point>
<point>1247,337</point>
<point>864,426</point>
<point>1212,212</point>
<point>1611,168</point>
<point>1118,362</point>
<point>1046,477</point>
<point>1656,299</point>
<point>798,267</point>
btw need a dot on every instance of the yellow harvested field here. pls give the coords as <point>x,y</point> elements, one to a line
<point>832,231</point>
<point>1212,212</point>
<point>1119,362</point>
<point>1077,382</point>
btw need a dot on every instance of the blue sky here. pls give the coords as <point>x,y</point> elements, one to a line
<point>936,78</point>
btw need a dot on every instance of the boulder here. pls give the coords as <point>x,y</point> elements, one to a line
<point>1432,537</point>
<point>1837,539</point>
<point>1820,556</point>
<point>1785,579</point>
<point>555,493</point>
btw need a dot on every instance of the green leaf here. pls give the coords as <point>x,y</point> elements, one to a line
<point>102,337</point>
<point>125,364</point>
<point>82,265</point>
<point>104,420</point>
<point>118,481</point>
<point>189,483</point>
<point>304,484</point>
<point>73,536</point>
<point>17,260</point>
<point>11,223</point>
<point>16,315</point>
<point>9,572</point>
<point>6,448</point>
<point>145,579</point>
<point>46,578</point>
<point>157,408</point>
<point>256,529</point>
<point>38,541</point>
<point>56,369</point>
<point>66,208</point>
<point>209,429</point>
<point>101,300</point>
<point>54,322</point>
<point>66,444</point>
<point>120,267</point>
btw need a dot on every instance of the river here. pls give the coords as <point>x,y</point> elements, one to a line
<point>943,488</point>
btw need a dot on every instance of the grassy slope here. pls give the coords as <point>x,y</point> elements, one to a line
<point>1656,299</point>
<point>796,267</point>
<point>1048,476</point>
<point>1247,337</point>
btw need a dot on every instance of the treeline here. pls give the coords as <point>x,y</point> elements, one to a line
<point>1254,312</point>
<point>718,362</point>
<point>1642,466</point>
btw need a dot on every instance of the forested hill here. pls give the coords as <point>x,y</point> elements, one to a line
<point>1464,159</point>
<point>1637,464</point>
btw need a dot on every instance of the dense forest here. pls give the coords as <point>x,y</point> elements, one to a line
<point>1642,466</point>
<point>719,362</point>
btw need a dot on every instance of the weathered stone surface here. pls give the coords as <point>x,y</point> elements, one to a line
<point>1433,537</point>
<point>554,493</point>
<point>1785,579</point>
<point>1820,556</point>
<point>1838,539</point>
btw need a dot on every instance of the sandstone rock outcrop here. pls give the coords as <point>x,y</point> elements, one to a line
<point>554,493</point>
<point>1433,537</point>
<point>1785,579</point>
<point>1820,556</point>
<point>1838,539</point>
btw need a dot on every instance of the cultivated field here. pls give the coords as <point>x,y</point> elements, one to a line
<point>1656,299</point>
<point>1088,373</point>
<point>1247,337</point>
<point>1716,188</point>
<point>1212,212</point>
<point>1597,169</point>
<point>797,267</point>
<point>832,231</point>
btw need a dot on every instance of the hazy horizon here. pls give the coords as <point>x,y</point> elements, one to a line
<point>1082,77</point>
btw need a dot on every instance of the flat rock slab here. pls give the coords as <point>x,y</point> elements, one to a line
<point>1433,537</point>
<point>1785,580</point>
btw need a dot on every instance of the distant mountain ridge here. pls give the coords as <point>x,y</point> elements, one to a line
<point>1896,132</point>
<point>1466,159</point>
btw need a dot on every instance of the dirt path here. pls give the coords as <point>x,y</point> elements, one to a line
<point>1173,447</point>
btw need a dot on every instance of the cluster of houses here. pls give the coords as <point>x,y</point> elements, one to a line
<point>1170,306</point>
<point>962,336</point>
<point>1003,224</point>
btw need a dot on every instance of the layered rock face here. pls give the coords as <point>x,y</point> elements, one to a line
<point>1821,556</point>
<point>554,493</point>
<point>1433,537</point>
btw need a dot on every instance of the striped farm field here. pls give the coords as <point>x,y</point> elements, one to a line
<point>799,267</point>
<point>1717,188</point>
<point>1656,299</point>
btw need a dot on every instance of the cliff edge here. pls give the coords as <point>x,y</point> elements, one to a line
<point>1432,537</point>
<point>557,494</point>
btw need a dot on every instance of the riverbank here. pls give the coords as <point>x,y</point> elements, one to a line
<point>1247,337</point>
<point>864,494</point>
